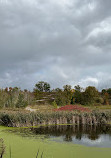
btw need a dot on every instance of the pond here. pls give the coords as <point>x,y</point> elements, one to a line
<point>62,141</point>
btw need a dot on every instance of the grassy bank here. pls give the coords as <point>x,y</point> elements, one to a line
<point>26,119</point>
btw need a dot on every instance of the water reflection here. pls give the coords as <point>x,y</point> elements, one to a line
<point>85,135</point>
<point>92,132</point>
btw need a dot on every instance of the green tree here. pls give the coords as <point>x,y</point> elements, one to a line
<point>106,98</point>
<point>63,97</point>
<point>21,101</point>
<point>60,99</point>
<point>109,91</point>
<point>90,95</point>
<point>42,86</point>
<point>46,87</point>
<point>67,87</point>
<point>3,98</point>
<point>78,95</point>
<point>103,91</point>
<point>78,88</point>
<point>67,94</point>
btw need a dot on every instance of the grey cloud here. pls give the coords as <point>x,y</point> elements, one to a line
<point>54,40</point>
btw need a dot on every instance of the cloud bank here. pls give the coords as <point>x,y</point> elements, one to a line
<point>58,41</point>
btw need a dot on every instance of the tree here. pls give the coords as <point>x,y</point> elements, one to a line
<point>106,98</point>
<point>78,95</point>
<point>56,90</point>
<point>109,91</point>
<point>21,101</point>
<point>63,97</point>
<point>42,86</point>
<point>78,88</point>
<point>67,94</point>
<point>67,87</point>
<point>3,98</point>
<point>106,94</point>
<point>90,95</point>
<point>46,87</point>
<point>103,91</point>
<point>60,98</point>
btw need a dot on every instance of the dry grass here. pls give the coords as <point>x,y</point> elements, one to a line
<point>43,108</point>
<point>100,108</point>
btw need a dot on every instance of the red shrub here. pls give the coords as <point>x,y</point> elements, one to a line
<point>72,108</point>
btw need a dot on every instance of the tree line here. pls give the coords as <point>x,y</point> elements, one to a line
<point>42,92</point>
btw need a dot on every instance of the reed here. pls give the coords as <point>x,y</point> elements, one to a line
<point>39,154</point>
<point>2,148</point>
<point>21,119</point>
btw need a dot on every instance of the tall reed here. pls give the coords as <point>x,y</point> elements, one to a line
<point>2,148</point>
<point>21,119</point>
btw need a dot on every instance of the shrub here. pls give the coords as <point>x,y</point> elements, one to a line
<point>54,104</point>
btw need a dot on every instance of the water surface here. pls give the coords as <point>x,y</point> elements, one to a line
<point>58,141</point>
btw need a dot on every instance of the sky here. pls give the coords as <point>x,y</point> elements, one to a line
<point>57,41</point>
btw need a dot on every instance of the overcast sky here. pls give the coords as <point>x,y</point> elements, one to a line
<point>58,41</point>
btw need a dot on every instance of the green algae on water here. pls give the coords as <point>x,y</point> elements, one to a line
<point>27,147</point>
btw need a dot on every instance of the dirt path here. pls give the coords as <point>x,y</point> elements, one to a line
<point>30,109</point>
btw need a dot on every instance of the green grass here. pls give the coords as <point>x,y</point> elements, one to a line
<point>99,107</point>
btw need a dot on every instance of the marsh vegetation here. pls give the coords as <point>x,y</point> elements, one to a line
<point>21,119</point>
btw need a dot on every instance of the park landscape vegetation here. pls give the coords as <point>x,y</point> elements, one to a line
<point>56,106</point>
<point>43,106</point>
